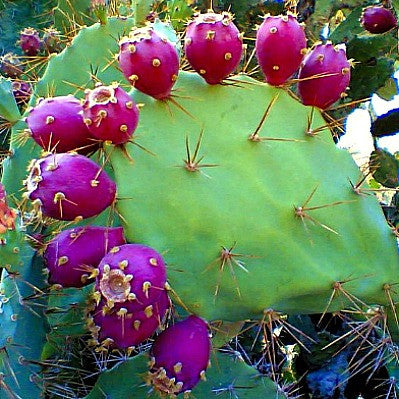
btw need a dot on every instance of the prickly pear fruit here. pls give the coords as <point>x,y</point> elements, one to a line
<point>73,255</point>
<point>180,356</point>
<point>29,41</point>
<point>149,62</point>
<point>52,40</point>
<point>118,327</point>
<point>56,124</point>
<point>213,46</point>
<point>377,19</point>
<point>69,186</point>
<point>110,114</point>
<point>133,274</point>
<point>7,214</point>
<point>280,47</point>
<point>22,91</point>
<point>324,75</point>
<point>11,66</point>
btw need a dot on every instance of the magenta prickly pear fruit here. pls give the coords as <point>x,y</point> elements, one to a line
<point>132,274</point>
<point>57,124</point>
<point>280,47</point>
<point>324,75</point>
<point>30,42</point>
<point>69,186</point>
<point>52,40</point>
<point>213,46</point>
<point>118,327</point>
<point>150,62</point>
<point>73,255</point>
<point>11,66</point>
<point>110,114</point>
<point>377,19</point>
<point>180,356</point>
<point>22,91</point>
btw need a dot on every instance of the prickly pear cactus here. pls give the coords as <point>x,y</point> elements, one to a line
<point>242,190</point>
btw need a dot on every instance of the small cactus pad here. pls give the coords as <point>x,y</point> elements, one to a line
<point>67,186</point>
<point>213,46</point>
<point>73,255</point>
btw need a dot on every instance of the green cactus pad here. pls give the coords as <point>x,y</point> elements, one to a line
<point>226,377</point>
<point>245,198</point>
<point>22,331</point>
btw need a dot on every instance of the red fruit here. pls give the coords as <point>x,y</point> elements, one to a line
<point>280,47</point>
<point>72,255</point>
<point>149,62</point>
<point>22,91</point>
<point>118,327</point>
<point>11,66</point>
<point>132,274</point>
<point>213,46</point>
<point>180,356</point>
<point>30,42</point>
<point>69,186</point>
<point>56,124</point>
<point>377,19</point>
<point>110,114</point>
<point>324,76</point>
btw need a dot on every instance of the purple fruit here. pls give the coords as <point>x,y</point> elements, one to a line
<point>30,42</point>
<point>72,255</point>
<point>324,76</point>
<point>377,19</point>
<point>133,274</point>
<point>149,62</point>
<point>120,328</point>
<point>22,91</point>
<point>10,66</point>
<point>213,46</point>
<point>69,186</point>
<point>110,114</point>
<point>51,40</point>
<point>280,47</point>
<point>180,356</point>
<point>56,124</point>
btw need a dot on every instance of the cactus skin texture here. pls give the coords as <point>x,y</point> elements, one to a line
<point>323,91</point>
<point>180,356</point>
<point>110,114</point>
<point>280,47</point>
<point>377,19</point>
<point>149,61</point>
<point>213,46</point>
<point>70,261</point>
<point>57,125</point>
